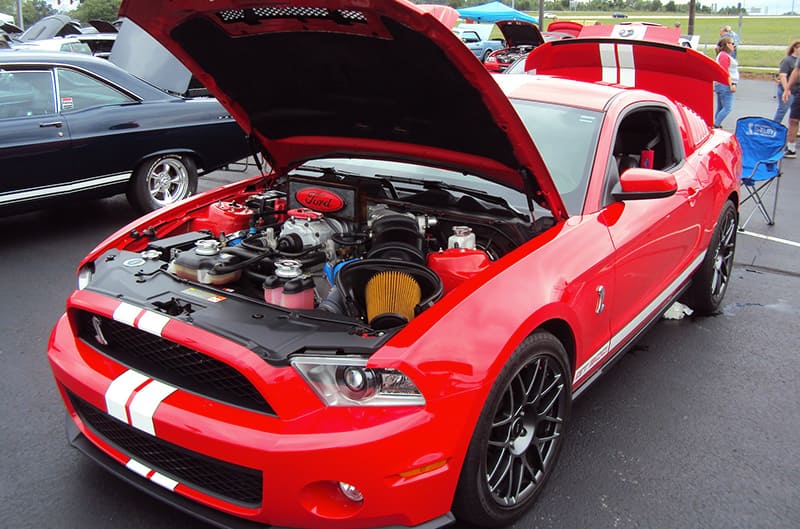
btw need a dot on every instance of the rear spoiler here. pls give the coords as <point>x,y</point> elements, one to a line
<point>679,73</point>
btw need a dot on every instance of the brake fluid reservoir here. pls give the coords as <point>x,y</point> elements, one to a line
<point>456,265</point>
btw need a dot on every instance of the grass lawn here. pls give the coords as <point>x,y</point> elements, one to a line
<point>756,30</point>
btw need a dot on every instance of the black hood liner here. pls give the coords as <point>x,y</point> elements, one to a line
<point>335,84</point>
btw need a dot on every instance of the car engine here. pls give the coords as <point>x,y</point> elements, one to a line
<point>376,251</point>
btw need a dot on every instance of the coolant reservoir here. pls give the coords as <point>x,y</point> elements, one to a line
<point>199,264</point>
<point>456,265</point>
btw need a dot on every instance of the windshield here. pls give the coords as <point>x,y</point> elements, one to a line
<point>566,138</point>
<point>406,172</point>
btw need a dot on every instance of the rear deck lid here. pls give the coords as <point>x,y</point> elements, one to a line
<point>679,73</point>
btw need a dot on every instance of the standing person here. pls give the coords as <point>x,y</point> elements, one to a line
<point>792,89</point>
<point>784,71</point>
<point>725,92</point>
<point>727,31</point>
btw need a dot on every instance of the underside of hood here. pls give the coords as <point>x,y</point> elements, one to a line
<point>352,78</point>
<point>519,33</point>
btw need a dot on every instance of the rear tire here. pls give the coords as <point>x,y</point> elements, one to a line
<point>162,181</point>
<point>518,436</point>
<point>710,282</point>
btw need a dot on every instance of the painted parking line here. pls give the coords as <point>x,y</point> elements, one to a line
<point>770,238</point>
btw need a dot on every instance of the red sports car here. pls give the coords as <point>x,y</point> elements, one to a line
<point>388,329</point>
<point>520,38</point>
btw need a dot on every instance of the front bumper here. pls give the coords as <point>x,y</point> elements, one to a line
<point>206,514</point>
<point>400,459</point>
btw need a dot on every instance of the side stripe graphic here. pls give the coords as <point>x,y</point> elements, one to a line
<point>640,318</point>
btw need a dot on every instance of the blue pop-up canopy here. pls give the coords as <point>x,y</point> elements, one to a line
<point>493,12</point>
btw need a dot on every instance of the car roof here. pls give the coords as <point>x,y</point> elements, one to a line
<point>95,65</point>
<point>557,90</point>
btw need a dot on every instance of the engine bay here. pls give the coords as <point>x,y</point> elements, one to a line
<point>374,251</point>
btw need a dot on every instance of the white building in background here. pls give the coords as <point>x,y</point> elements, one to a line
<point>7,18</point>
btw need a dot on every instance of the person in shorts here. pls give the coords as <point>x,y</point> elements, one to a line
<point>792,91</point>
<point>784,71</point>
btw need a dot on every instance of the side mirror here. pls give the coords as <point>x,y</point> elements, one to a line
<point>640,184</point>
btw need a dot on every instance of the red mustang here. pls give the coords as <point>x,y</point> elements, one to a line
<point>388,329</point>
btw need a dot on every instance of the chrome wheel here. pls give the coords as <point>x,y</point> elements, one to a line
<point>525,430</point>
<point>167,181</point>
<point>162,181</point>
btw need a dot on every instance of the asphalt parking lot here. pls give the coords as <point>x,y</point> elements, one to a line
<point>697,427</point>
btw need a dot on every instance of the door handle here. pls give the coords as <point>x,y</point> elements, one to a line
<point>56,124</point>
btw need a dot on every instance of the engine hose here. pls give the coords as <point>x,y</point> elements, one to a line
<point>220,268</point>
<point>245,253</point>
<point>255,277</point>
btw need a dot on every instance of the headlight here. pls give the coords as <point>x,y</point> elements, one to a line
<point>346,381</point>
<point>85,275</point>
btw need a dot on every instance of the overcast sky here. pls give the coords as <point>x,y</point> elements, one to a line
<point>771,7</point>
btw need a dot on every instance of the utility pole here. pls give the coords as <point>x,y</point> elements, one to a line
<point>691,18</point>
<point>19,15</point>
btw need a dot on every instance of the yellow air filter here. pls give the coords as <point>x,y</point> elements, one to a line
<point>391,297</point>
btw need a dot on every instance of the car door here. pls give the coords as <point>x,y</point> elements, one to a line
<point>34,139</point>
<point>105,124</point>
<point>656,240</point>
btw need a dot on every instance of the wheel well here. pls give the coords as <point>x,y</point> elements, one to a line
<point>561,330</point>
<point>198,162</point>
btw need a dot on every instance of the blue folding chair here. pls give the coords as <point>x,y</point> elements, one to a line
<point>763,144</point>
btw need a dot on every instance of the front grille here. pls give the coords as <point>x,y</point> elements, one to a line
<point>229,482</point>
<point>170,362</point>
<point>299,12</point>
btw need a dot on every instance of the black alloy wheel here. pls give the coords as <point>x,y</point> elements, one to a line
<point>519,435</point>
<point>711,280</point>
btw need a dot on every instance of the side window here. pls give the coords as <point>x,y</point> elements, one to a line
<point>647,138</point>
<point>26,93</point>
<point>78,91</point>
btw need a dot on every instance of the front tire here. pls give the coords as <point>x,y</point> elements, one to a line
<point>711,280</point>
<point>518,436</point>
<point>162,181</point>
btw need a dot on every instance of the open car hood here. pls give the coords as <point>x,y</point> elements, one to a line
<point>350,78</point>
<point>519,33</point>
<point>50,27</point>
